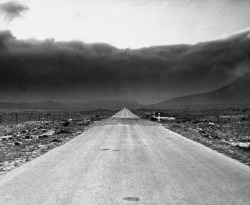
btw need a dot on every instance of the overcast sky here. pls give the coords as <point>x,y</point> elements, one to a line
<point>125,23</point>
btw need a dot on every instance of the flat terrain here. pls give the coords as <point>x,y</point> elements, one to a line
<point>127,160</point>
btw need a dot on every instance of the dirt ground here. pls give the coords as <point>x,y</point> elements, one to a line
<point>225,130</point>
<point>231,139</point>
<point>22,142</point>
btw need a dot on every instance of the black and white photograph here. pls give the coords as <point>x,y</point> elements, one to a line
<point>122,102</point>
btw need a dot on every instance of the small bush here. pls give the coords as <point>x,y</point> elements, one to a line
<point>66,123</point>
<point>62,131</point>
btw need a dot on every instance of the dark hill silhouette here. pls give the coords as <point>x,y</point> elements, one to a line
<point>50,105</point>
<point>45,105</point>
<point>236,93</point>
<point>104,104</point>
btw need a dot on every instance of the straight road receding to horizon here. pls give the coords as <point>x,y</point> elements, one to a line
<point>128,160</point>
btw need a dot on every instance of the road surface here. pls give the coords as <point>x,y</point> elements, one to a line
<point>127,160</point>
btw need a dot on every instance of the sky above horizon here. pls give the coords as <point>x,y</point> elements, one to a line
<point>125,23</point>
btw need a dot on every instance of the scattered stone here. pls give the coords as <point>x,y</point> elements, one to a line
<point>16,143</point>
<point>241,144</point>
<point>32,139</point>
<point>43,136</point>
<point>28,137</point>
<point>7,137</point>
<point>131,199</point>
<point>56,140</point>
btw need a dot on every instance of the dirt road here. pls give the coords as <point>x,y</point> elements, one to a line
<point>127,160</point>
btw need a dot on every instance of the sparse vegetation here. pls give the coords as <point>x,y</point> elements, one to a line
<point>226,130</point>
<point>21,142</point>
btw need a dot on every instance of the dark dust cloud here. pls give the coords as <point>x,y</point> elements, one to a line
<point>12,9</point>
<point>33,70</point>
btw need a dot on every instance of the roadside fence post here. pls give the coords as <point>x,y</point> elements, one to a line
<point>16,118</point>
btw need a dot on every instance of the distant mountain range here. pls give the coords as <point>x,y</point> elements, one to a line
<point>46,105</point>
<point>50,105</point>
<point>236,93</point>
<point>104,104</point>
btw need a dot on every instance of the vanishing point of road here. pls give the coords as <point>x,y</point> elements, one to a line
<point>128,160</point>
